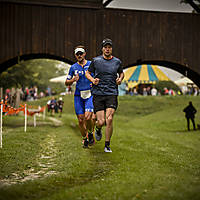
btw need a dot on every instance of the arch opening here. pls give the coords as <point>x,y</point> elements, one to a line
<point>182,69</point>
<point>11,62</point>
<point>34,70</point>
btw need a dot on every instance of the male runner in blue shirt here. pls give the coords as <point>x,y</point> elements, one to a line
<point>108,74</point>
<point>82,97</point>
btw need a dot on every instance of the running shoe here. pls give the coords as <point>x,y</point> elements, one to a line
<point>98,134</point>
<point>91,139</point>
<point>107,149</point>
<point>85,143</point>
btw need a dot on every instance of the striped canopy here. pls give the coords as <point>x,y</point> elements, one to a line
<point>145,74</point>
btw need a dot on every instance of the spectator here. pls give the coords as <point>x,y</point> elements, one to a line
<point>145,91</point>
<point>26,94</point>
<point>190,112</point>
<point>166,91</point>
<point>60,106</point>
<point>56,106</point>
<point>148,90</point>
<point>154,91</point>
<point>48,105</point>
<point>135,92</point>
<point>52,106</point>
<point>195,91</point>
<point>171,92</point>
<point>41,94</point>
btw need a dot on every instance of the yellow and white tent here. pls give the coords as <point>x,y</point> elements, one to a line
<point>144,74</point>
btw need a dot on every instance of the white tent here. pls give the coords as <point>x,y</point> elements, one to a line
<point>59,79</point>
<point>184,82</point>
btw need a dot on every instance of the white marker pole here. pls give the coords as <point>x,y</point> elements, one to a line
<point>34,118</point>
<point>1,128</point>
<point>25,125</point>
<point>44,113</point>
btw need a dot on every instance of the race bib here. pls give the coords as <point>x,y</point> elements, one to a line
<point>85,94</point>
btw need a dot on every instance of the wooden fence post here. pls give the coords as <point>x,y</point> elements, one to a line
<point>1,93</point>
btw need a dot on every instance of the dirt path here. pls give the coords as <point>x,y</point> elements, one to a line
<point>56,122</point>
<point>45,160</point>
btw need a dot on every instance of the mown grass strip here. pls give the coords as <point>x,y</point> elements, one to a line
<point>154,157</point>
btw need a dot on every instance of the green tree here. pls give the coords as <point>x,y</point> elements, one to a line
<point>16,76</point>
<point>160,85</point>
<point>36,72</point>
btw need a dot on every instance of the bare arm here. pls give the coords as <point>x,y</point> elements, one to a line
<point>69,82</point>
<point>120,78</point>
<point>95,81</point>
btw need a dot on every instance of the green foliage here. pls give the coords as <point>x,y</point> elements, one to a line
<point>35,72</point>
<point>16,76</point>
<point>160,85</point>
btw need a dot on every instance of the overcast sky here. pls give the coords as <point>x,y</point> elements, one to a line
<point>155,5</point>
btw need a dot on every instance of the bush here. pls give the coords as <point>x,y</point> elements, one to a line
<point>160,85</point>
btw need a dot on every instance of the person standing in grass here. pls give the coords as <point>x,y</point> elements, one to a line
<point>82,97</point>
<point>108,74</point>
<point>190,112</point>
<point>60,106</point>
<point>52,106</point>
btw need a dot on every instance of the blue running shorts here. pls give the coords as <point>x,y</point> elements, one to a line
<point>83,105</point>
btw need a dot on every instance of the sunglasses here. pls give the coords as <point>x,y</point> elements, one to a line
<point>79,53</point>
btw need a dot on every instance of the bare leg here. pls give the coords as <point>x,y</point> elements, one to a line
<point>109,123</point>
<point>82,125</point>
<point>94,119</point>
<point>100,118</point>
<point>89,121</point>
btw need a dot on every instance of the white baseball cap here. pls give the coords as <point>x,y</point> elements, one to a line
<point>79,50</point>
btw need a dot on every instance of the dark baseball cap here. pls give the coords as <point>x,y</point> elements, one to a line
<point>106,41</point>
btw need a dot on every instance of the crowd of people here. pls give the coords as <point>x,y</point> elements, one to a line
<point>153,91</point>
<point>150,91</point>
<point>55,106</point>
<point>26,94</point>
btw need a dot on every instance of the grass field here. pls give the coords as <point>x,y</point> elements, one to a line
<point>154,156</point>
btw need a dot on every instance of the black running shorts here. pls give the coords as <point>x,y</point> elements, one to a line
<point>103,102</point>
